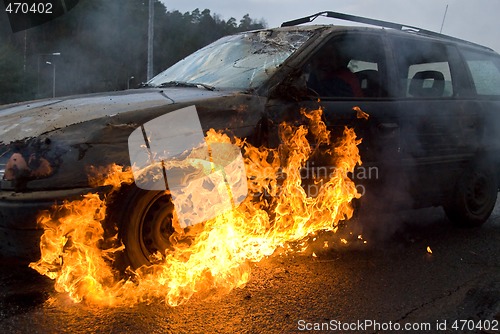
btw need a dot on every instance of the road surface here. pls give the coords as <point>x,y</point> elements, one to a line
<point>389,282</point>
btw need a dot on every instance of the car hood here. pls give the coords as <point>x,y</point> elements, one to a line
<point>31,119</point>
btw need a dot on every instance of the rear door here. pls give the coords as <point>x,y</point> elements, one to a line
<point>484,69</point>
<point>440,124</point>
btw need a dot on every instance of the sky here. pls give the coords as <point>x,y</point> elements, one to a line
<point>473,20</point>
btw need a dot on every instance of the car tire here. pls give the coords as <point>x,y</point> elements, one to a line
<point>474,196</point>
<point>144,219</point>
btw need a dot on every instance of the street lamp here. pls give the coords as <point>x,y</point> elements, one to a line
<point>128,81</point>
<point>38,69</point>
<point>53,78</point>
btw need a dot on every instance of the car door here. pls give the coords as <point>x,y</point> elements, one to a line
<point>484,69</point>
<point>367,88</point>
<point>439,124</point>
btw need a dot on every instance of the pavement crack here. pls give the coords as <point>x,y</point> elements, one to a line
<point>436,299</point>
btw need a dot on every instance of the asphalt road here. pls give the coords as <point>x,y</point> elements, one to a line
<point>390,281</point>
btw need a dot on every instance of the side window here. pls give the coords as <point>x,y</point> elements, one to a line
<point>424,69</point>
<point>485,71</point>
<point>348,66</point>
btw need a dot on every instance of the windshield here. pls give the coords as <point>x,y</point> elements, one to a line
<point>241,61</point>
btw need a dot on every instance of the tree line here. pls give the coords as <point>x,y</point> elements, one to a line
<point>101,45</point>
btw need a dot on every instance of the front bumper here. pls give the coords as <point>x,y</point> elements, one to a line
<point>19,232</point>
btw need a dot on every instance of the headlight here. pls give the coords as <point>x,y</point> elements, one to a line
<point>28,160</point>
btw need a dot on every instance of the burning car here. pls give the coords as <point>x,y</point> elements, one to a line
<point>425,105</point>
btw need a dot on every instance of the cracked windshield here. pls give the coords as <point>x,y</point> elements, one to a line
<point>238,62</point>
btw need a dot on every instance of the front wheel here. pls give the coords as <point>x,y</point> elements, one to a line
<point>474,196</point>
<point>145,221</point>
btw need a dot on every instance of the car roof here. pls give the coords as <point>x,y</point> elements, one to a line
<point>389,27</point>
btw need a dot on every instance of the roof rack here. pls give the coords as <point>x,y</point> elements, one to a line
<point>374,22</point>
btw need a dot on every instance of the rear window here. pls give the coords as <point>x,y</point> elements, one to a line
<point>424,69</point>
<point>485,72</point>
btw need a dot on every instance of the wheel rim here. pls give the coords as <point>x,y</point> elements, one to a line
<point>156,227</point>
<point>477,197</point>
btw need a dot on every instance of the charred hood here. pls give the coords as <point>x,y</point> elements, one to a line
<point>32,119</point>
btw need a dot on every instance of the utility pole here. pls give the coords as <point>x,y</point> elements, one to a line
<point>149,73</point>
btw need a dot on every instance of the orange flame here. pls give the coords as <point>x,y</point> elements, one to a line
<point>78,254</point>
